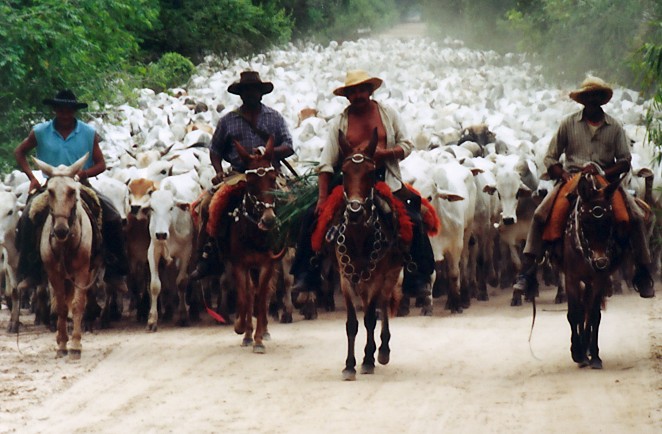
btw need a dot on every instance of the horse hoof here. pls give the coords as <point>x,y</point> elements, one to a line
<point>13,327</point>
<point>426,311</point>
<point>74,354</point>
<point>596,363</point>
<point>239,329</point>
<point>266,336</point>
<point>259,349</point>
<point>367,369</point>
<point>516,301</point>
<point>383,358</point>
<point>584,363</point>
<point>60,353</point>
<point>482,296</point>
<point>560,299</point>
<point>286,318</point>
<point>349,375</point>
<point>151,328</point>
<point>247,342</point>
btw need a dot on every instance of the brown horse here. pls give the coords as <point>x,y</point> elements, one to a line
<point>66,251</point>
<point>591,252</point>
<point>368,255</point>
<point>250,255</point>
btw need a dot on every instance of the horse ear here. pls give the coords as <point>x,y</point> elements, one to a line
<point>78,165</point>
<point>243,154</point>
<point>46,168</point>
<point>585,188</point>
<point>372,146</point>
<point>611,188</point>
<point>345,147</point>
<point>269,148</point>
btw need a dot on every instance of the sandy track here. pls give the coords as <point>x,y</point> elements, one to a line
<point>472,372</point>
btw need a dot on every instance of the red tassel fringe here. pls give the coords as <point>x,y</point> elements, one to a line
<point>334,201</point>
<point>219,203</point>
<point>430,217</point>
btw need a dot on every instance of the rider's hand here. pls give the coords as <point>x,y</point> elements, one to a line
<point>34,185</point>
<point>217,179</point>
<point>590,169</point>
<point>82,175</point>
<point>320,205</point>
<point>566,176</point>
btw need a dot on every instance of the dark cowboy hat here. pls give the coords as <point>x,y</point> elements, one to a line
<point>250,79</point>
<point>65,98</point>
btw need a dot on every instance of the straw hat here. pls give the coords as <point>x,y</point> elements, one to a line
<point>355,78</point>
<point>592,85</point>
<point>250,79</point>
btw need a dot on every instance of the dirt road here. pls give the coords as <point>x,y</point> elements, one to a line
<point>472,372</point>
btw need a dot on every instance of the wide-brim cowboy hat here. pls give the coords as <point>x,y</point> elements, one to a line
<point>355,78</point>
<point>65,98</point>
<point>594,86</point>
<point>250,79</point>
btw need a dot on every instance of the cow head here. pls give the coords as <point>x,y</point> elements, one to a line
<point>140,192</point>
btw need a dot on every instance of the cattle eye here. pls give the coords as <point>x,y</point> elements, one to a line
<point>429,198</point>
<point>163,172</point>
<point>11,211</point>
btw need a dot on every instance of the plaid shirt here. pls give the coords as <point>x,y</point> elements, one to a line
<point>233,127</point>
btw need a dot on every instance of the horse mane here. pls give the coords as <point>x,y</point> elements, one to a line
<point>334,201</point>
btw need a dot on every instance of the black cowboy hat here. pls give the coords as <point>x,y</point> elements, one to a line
<point>65,98</point>
<point>250,79</point>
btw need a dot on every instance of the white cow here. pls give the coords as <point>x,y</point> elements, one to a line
<point>171,233</point>
<point>9,214</point>
<point>117,192</point>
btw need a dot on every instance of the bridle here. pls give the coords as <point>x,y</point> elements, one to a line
<point>257,206</point>
<point>355,205</point>
<point>581,245</point>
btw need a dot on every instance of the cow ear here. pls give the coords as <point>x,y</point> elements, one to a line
<point>523,192</point>
<point>489,189</point>
<point>544,176</point>
<point>476,171</point>
<point>345,147</point>
<point>449,196</point>
<point>184,206</point>
<point>645,173</point>
<point>243,153</point>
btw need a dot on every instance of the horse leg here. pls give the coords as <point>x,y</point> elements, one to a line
<point>560,291</point>
<point>244,322</point>
<point>370,322</point>
<point>384,354</point>
<point>78,307</point>
<point>593,327</point>
<point>262,306</point>
<point>15,307</point>
<point>351,328</point>
<point>60,306</point>
<point>576,318</point>
<point>453,303</point>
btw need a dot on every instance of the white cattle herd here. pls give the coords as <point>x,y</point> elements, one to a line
<point>484,189</point>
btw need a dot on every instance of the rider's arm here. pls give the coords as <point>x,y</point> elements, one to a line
<point>402,146</point>
<point>99,162</point>
<point>614,171</point>
<point>21,155</point>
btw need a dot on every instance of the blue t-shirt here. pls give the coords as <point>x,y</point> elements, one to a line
<point>55,150</point>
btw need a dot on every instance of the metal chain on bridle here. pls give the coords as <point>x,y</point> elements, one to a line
<point>380,243</point>
<point>256,204</point>
<point>581,244</point>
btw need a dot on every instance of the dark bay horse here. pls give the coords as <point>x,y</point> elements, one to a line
<point>368,255</point>
<point>591,252</point>
<point>250,252</point>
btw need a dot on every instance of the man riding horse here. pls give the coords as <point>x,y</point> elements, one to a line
<point>62,141</point>
<point>251,125</point>
<point>357,122</point>
<point>593,143</point>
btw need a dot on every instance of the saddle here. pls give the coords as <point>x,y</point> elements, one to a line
<point>386,203</point>
<point>225,199</point>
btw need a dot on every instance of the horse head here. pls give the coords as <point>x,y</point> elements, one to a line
<point>358,170</point>
<point>260,183</point>
<point>63,195</point>
<point>595,221</point>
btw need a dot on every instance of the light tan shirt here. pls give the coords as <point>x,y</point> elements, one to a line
<point>396,135</point>
<point>606,146</point>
